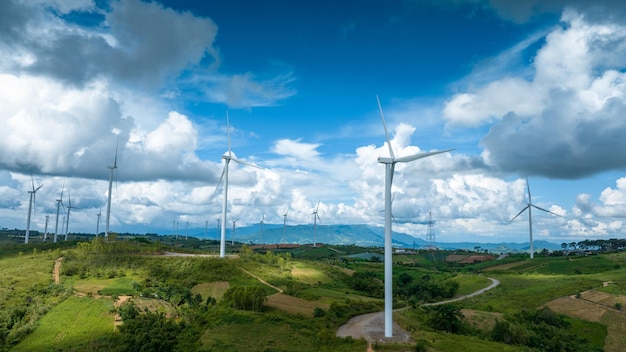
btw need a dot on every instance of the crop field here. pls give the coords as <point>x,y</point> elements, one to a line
<point>327,295</point>
<point>116,286</point>
<point>309,275</point>
<point>66,326</point>
<point>211,289</point>
<point>293,304</point>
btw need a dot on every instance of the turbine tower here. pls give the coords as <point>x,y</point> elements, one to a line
<point>45,231</point>
<point>232,242</point>
<point>227,158</point>
<point>261,228</point>
<point>69,209</point>
<point>98,223</point>
<point>529,206</point>
<point>315,218</point>
<point>111,170</point>
<point>285,225</point>
<point>30,208</point>
<point>59,204</point>
<point>390,163</point>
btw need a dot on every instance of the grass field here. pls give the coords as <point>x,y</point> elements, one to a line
<point>109,287</point>
<point>309,275</point>
<point>211,289</point>
<point>470,283</point>
<point>71,323</point>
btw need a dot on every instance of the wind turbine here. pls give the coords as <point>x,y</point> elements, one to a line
<point>529,206</point>
<point>261,228</point>
<point>390,163</point>
<point>45,231</point>
<point>30,208</point>
<point>232,243</point>
<point>98,223</point>
<point>69,209</point>
<point>111,170</point>
<point>285,225</point>
<point>59,204</point>
<point>227,158</point>
<point>315,218</point>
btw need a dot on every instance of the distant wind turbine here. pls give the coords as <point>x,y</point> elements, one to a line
<point>111,171</point>
<point>232,243</point>
<point>69,209</point>
<point>285,225</point>
<point>45,231</point>
<point>31,202</point>
<point>227,158</point>
<point>529,207</point>
<point>98,223</point>
<point>59,204</point>
<point>261,228</point>
<point>390,163</point>
<point>315,218</point>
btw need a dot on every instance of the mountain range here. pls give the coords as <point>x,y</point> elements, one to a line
<point>359,235</point>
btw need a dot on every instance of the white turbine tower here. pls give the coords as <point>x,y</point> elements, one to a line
<point>232,243</point>
<point>261,228</point>
<point>390,163</point>
<point>69,209</point>
<point>315,218</point>
<point>30,208</point>
<point>285,225</point>
<point>529,207</point>
<point>111,170</point>
<point>227,158</point>
<point>45,231</point>
<point>59,204</point>
<point>98,223</point>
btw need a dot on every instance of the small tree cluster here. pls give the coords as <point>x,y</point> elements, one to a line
<point>245,298</point>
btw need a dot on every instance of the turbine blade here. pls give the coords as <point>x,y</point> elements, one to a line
<point>318,206</point>
<point>38,188</point>
<point>518,214</point>
<point>528,188</point>
<point>245,163</point>
<point>382,117</point>
<point>408,158</point>
<point>219,182</point>
<point>32,181</point>
<point>117,143</point>
<point>542,209</point>
<point>228,132</point>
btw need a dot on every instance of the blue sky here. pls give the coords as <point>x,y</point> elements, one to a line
<point>519,89</point>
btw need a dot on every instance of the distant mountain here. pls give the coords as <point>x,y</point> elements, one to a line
<point>365,236</point>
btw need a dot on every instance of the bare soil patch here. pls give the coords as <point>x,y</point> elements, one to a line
<point>56,273</point>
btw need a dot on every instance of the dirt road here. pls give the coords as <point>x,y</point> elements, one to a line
<point>56,273</point>
<point>372,326</point>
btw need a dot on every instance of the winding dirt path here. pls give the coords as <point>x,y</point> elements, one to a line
<point>371,326</point>
<point>56,273</point>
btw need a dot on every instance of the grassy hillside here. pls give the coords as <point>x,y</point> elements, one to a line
<point>295,301</point>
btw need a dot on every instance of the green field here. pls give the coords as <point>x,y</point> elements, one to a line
<point>70,326</point>
<point>174,297</point>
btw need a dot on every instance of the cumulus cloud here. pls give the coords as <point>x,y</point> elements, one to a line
<point>565,121</point>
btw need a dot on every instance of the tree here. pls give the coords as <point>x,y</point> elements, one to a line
<point>447,317</point>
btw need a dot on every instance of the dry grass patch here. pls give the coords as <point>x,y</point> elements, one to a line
<point>211,289</point>
<point>481,319</point>
<point>577,308</point>
<point>293,304</point>
<point>309,275</point>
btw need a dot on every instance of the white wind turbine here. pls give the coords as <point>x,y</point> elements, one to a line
<point>285,225</point>
<point>390,163</point>
<point>98,223</point>
<point>111,170</point>
<point>59,204</point>
<point>529,207</point>
<point>315,218</point>
<point>69,209</point>
<point>261,228</point>
<point>232,241</point>
<point>45,231</point>
<point>30,208</point>
<point>227,158</point>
